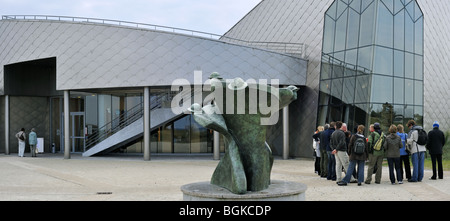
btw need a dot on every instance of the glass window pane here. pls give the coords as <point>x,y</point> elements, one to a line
<point>326,70</point>
<point>367,26</point>
<point>418,115</point>
<point>409,34</point>
<point>418,67</point>
<point>166,138</point>
<point>409,92</point>
<point>341,32</point>
<point>385,27</point>
<point>409,65</point>
<point>335,113</point>
<point>350,58</point>
<point>383,61</point>
<point>365,58</point>
<point>375,113</point>
<point>418,93</point>
<point>399,63</point>
<point>336,90</point>
<point>332,10</point>
<point>353,30</point>
<point>91,112</point>
<point>399,31</point>
<point>398,114</point>
<point>381,89</point>
<point>181,135</point>
<point>361,114</point>
<point>362,89</point>
<point>399,91</point>
<point>409,115</point>
<point>348,90</point>
<point>338,71</point>
<point>104,112</point>
<point>323,115</point>
<point>328,35</point>
<point>418,45</point>
<point>325,92</point>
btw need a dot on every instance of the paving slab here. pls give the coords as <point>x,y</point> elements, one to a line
<point>128,178</point>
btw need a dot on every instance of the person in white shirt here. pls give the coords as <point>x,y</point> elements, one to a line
<point>21,137</point>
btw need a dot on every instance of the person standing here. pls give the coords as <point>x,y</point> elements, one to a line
<point>357,156</point>
<point>339,146</point>
<point>404,156</point>
<point>21,137</point>
<point>436,140</point>
<point>316,148</point>
<point>375,156</point>
<point>392,147</point>
<point>323,152</point>
<point>32,140</point>
<point>417,138</point>
<point>331,169</point>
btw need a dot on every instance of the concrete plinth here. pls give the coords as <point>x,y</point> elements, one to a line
<point>277,191</point>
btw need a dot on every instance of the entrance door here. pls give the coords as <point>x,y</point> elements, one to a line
<point>77,133</point>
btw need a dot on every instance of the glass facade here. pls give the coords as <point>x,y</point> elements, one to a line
<point>183,135</point>
<point>372,63</point>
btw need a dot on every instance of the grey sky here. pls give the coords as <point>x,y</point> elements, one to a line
<point>214,16</point>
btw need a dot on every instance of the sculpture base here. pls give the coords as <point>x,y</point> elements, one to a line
<point>277,191</point>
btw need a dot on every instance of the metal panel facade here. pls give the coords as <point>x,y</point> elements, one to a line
<point>91,55</point>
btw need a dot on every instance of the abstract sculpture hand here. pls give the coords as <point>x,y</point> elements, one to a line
<point>248,160</point>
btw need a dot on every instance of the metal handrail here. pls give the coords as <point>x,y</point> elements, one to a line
<point>115,125</point>
<point>294,49</point>
<point>128,117</point>
<point>333,60</point>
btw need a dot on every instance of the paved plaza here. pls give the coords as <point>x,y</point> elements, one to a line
<point>128,178</point>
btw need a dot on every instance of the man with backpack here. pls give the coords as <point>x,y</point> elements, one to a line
<point>376,153</point>
<point>417,139</point>
<point>357,149</point>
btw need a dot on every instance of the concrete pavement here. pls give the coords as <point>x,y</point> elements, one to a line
<point>128,178</point>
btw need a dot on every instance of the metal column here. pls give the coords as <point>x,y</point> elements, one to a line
<point>146,123</point>
<point>6,124</point>
<point>66,125</point>
<point>286,132</point>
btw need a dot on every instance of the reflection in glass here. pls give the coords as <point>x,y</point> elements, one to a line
<point>376,47</point>
<point>409,92</point>
<point>381,89</point>
<point>166,134</point>
<point>385,25</point>
<point>399,91</point>
<point>383,61</point>
<point>181,135</point>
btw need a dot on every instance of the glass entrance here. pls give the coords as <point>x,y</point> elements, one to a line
<point>77,124</point>
<point>77,133</point>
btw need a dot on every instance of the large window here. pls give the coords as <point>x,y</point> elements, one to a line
<point>372,63</point>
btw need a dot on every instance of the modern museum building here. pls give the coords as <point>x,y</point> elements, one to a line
<point>96,86</point>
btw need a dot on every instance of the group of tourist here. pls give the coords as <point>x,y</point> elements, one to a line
<point>337,150</point>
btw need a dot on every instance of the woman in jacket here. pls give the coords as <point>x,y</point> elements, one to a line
<point>356,158</point>
<point>392,147</point>
<point>404,156</point>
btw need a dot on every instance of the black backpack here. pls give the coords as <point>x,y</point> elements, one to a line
<point>359,145</point>
<point>423,137</point>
